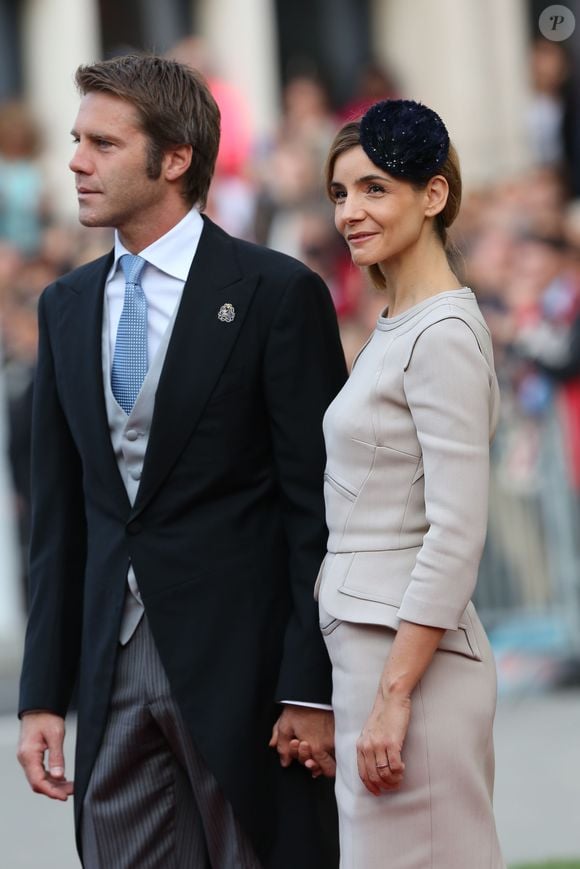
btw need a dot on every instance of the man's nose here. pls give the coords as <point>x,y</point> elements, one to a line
<point>79,162</point>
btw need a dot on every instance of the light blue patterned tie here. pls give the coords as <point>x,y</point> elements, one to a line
<point>130,358</point>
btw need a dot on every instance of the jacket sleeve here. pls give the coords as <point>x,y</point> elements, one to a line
<point>58,546</point>
<point>304,368</point>
<point>448,383</point>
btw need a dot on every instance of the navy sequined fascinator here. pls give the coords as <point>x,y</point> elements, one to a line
<point>405,139</point>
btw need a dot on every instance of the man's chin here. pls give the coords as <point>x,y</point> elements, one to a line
<point>88,219</point>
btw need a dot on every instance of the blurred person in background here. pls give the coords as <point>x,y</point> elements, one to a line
<point>18,343</point>
<point>289,167</point>
<point>545,116</point>
<point>553,114</point>
<point>290,189</point>
<point>292,215</point>
<point>325,253</point>
<point>12,595</point>
<point>22,202</point>
<point>307,116</point>
<point>20,335</point>
<point>519,258</point>
<point>62,246</point>
<point>178,517</point>
<point>231,197</point>
<point>547,340</point>
<point>406,487</point>
<point>376,82</point>
<point>11,261</point>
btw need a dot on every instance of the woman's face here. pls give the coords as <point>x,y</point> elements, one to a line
<point>381,217</point>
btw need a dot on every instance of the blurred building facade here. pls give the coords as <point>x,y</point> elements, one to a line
<point>464,58</point>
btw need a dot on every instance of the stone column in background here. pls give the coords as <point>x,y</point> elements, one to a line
<point>241,44</point>
<point>468,61</point>
<point>58,35</point>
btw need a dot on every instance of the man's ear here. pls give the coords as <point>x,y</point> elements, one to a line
<point>436,193</point>
<point>176,162</point>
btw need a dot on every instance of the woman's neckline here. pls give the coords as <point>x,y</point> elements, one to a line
<point>385,322</point>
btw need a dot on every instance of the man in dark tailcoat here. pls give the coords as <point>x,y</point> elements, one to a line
<point>177,509</point>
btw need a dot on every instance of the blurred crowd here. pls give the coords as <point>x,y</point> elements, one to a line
<point>517,244</point>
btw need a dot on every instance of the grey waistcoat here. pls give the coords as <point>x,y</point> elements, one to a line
<point>130,436</point>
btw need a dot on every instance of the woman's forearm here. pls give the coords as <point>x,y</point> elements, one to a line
<point>411,654</point>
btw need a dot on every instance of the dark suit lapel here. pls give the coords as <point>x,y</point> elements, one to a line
<point>82,323</point>
<point>200,345</point>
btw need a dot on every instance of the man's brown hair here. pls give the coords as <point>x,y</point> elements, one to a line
<point>174,106</point>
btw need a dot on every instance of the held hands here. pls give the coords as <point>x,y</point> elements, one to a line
<point>306,734</point>
<point>380,744</point>
<point>41,732</point>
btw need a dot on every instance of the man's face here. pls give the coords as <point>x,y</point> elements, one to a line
<point>109,164</point>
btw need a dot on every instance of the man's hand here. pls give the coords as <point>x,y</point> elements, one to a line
<point>306,734</point>
<point>41,732</point>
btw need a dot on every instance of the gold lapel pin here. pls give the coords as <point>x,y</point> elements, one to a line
<point>227,313</point>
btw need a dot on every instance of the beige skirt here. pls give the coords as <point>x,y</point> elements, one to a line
<point>442,817</point>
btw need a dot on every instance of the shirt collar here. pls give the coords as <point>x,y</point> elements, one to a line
<point>173,253</point>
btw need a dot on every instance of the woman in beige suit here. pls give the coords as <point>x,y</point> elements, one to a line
<point>406,492</point>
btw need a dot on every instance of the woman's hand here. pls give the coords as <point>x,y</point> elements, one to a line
<point>380,744</point>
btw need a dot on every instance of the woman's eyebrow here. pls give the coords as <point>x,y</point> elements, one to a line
<point>364,178</point>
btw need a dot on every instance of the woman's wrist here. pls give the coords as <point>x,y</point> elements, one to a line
<point>395,687</point>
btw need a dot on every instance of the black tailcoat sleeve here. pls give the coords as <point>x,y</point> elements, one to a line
<point>58,546</point>
<point>303,370</point>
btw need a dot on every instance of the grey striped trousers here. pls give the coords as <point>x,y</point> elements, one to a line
<point>151,802</point>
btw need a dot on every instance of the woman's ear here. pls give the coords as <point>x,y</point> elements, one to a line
<point>436,193</point>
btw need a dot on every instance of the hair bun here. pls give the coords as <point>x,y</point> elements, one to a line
<point>405,138</point>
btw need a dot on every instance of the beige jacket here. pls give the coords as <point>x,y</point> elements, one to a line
<point>406,481</point>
